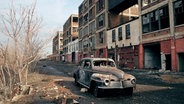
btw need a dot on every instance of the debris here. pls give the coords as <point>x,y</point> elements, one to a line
<point>55,88</point>
<point>75,102</point>
<point>83,90</point>
<point>17,97</point>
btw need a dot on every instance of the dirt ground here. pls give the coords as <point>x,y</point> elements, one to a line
<point>47,89</point>
<point>173,78</point>
<point>50,86</point>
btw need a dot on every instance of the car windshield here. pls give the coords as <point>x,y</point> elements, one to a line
<point>103,63</point>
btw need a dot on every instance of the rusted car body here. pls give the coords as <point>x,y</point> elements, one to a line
<point>101,74</point>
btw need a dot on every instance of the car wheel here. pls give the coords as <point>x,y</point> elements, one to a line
<point>96,91</point>
<point>129,91</point>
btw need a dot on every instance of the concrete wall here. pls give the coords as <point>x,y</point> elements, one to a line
<point>134,35</point>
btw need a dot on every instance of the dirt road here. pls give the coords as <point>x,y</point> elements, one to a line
<point>53,83</point>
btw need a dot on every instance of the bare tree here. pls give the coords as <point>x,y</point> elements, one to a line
<point>21,27</point>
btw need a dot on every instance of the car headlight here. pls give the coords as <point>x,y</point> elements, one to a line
<point>133,81</point>
<point>107,82</point>
<point>106,79</point>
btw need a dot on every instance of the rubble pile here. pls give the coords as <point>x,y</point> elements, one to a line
<point>51,91</point>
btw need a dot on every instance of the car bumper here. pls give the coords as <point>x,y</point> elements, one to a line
<point>119,85</point>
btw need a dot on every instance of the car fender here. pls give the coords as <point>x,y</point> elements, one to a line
<point>95,77</point>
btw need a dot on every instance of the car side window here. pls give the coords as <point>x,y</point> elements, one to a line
<point>87,64</point>
<point>82,63</point>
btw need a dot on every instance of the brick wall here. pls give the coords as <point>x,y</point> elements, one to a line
<point>114,20</point>
<point>179,45</point>
<point>165,47</point>
<point>141,56</point>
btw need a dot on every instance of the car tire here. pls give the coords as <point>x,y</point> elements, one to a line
<point>129,91</point>
<point>96,92</point>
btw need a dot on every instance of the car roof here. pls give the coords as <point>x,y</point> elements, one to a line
<point>94,59</point>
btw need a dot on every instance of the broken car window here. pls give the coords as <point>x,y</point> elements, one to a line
<point>102,63</point>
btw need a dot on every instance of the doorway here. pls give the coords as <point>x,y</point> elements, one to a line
<point>152,57</point>
<point>168,61</point>
<point>181,62</point>
<point>73,56</point>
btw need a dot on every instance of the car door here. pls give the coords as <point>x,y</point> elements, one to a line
<point>88,71</point>
<point>81,72</point>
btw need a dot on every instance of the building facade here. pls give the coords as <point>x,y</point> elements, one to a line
<point>123,32</point>
<point>145,34</point>
<point>70,34</point>
<point>57,48</point>
<point>73,50</point>
<point>162,34</point>
<point>93,28</point>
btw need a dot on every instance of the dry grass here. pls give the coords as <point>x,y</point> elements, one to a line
<point>173,78</point>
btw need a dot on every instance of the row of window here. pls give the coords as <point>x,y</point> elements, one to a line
<point>147,2</point>
<point>100,20</point>
<point>159,18</point>
<point>68,22</point>
<point>71,48</point>
<point>155,20</point>
<point>100,5</point>
<point>87,43</point>
<point>99,24</point>
<point>120,33</point>
<point>91,14</point>
<point>179,12</point>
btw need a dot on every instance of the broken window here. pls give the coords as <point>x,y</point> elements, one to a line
<point>179,12</point>
<point>85,32</point>
<point>85,44</point>
<point>80,9</point>
<point>85,5</point>
<point>113,35</point>
<point>92,13</point>
<point>92,27</point>
<point>100,5</point>
<point>120,33</point>
<point>164,17</point>
<point>75,29</point>
<point>147,2</point>
<point>128,31</point>
<point>80,45</point>
<point>90,2</point>
<point>100,20</point>
<point>75,19</point>
<point>80,33</point>
<point>86,18</point>
<point>101,37</point>
<point>93,42</point>
<point>80,21</point>
<point>155,20</point>
<point>145,22</point>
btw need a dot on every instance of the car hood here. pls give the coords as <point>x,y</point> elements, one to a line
<point>110,70</point>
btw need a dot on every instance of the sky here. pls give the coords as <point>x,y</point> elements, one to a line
<point>54,14</point>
